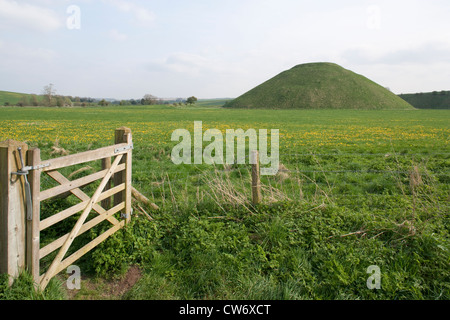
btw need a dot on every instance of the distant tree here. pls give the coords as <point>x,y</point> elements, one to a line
<point>149,99</point>
<point>49,92</point>
<point>23,102</point>
<point>191,100</point>
<point>34,100</point>
<point>103,103</point>
<point>77,101</point>
<point>59,101</point>
<point>68,102</point>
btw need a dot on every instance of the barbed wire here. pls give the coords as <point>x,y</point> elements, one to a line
<point>366,154</point>
<point>331,181</point>
<point>162,173</point>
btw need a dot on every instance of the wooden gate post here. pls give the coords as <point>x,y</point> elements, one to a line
<point>123,135</point>
<point>256,182</point>
<point>12,210</point>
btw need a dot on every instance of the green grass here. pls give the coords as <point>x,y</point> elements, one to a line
<point>11,97</point>
<point>319,86</point>
<point>20,99</point>
<point>23,289</point>
<point>288,251</point>
<point>345,203</point>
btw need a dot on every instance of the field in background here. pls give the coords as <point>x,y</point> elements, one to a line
<point>356,188</point>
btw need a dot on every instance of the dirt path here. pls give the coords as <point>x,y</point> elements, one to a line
<point>100,289</point>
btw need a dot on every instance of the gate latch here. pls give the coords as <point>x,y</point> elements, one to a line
<point>24,172</point>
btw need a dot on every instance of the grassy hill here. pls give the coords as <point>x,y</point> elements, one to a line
<point>428,100</point>
<point>12,98</point>
<point>319,86</point>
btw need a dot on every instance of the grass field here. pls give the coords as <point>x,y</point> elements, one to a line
<point>357,188</point>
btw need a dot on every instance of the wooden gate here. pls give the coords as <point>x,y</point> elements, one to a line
<point>118,172</point>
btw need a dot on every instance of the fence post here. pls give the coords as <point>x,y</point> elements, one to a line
<point>12,210</point>
<point>123,135</point>
<point>256,182</point>
<point>33,232</point>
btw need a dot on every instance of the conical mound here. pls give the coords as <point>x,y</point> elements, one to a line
<point>319,86</point>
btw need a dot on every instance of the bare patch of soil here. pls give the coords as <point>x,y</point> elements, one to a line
<point>101,289</point>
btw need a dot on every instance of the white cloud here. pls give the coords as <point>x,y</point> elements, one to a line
<point>117,35</point>
<point>16,15</point>
<point>141,15</point>
<point>18,54</point>
<point>188,63</point>
<point>194,65</point>
<point>424,54</point>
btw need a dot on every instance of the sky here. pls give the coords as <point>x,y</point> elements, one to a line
<point>216,49</point>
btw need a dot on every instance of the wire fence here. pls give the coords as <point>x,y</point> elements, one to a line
<point>215,168</point>
<point>392,181</point>
<point>326,173</point>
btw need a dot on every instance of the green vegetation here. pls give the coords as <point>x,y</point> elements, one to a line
<point>14,98</point>
<point>355,189</point>
<point>428,100</point>
<point>191,100</point>
<point>22,289</point>
<point>319,86</point>
<point>286,251</point>
<point>49,98</point>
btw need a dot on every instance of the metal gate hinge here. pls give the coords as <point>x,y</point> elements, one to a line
<point>117,150</point>
<point>125,215</point>
<point>41,166</point>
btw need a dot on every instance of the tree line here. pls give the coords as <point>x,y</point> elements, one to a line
<point>49,98</point>
<point>428,100</point>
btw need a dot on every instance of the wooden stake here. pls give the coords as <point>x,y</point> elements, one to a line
<point>256,182</point>
<point>141,198</point>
